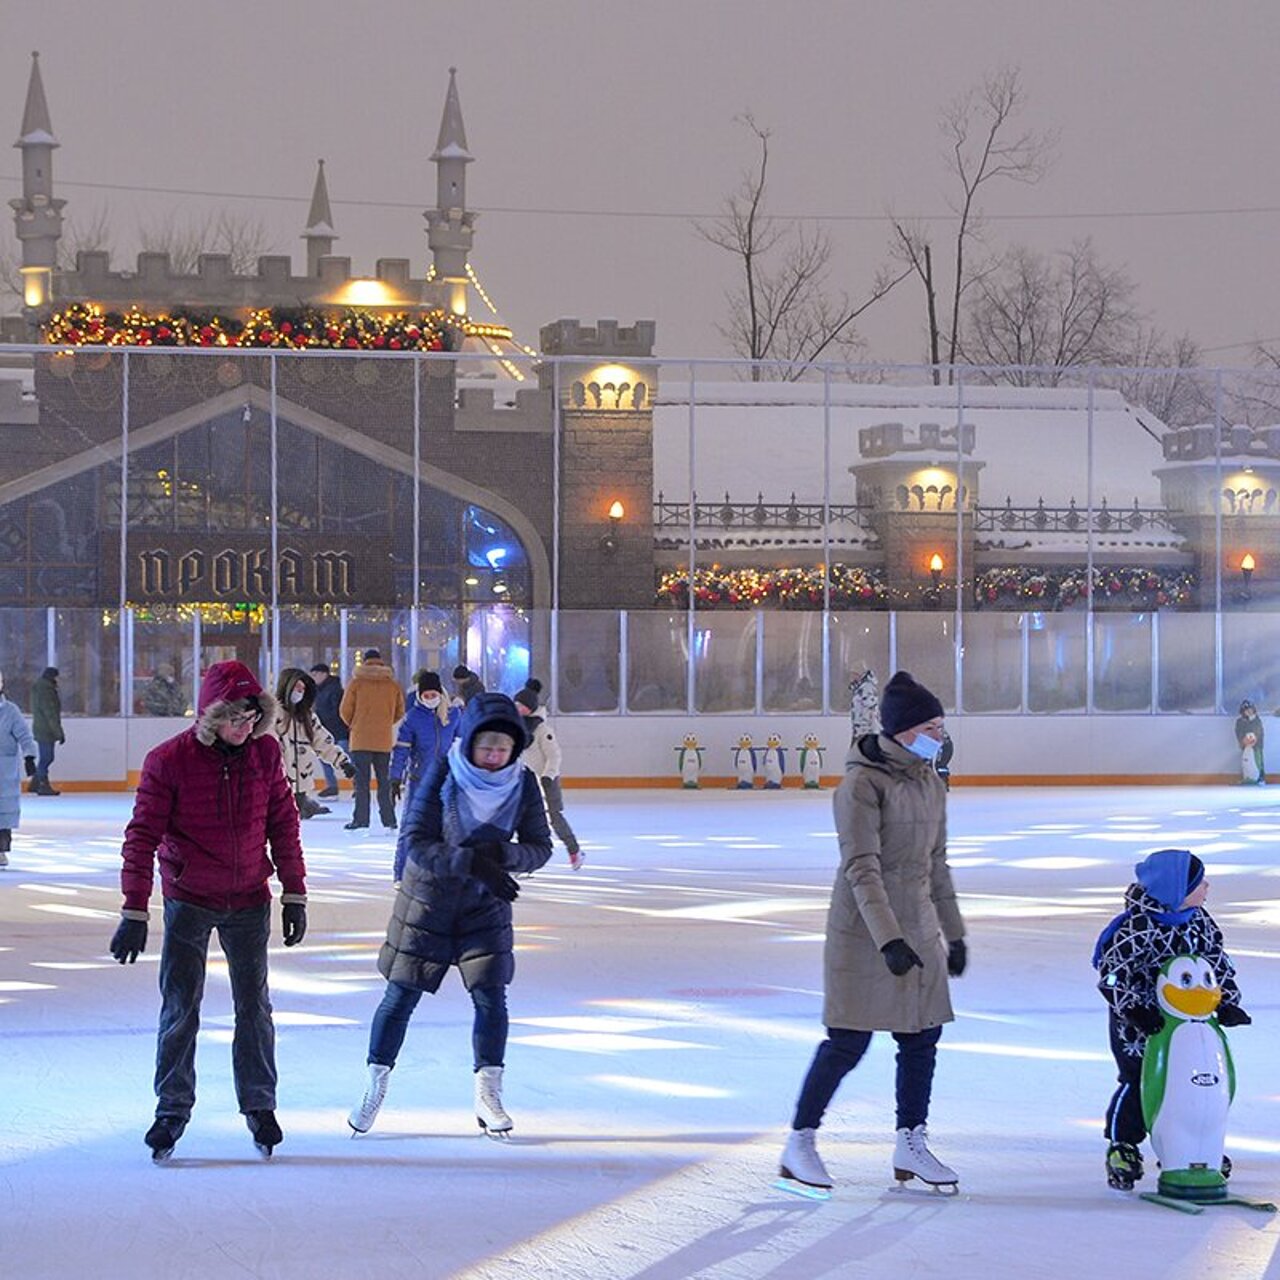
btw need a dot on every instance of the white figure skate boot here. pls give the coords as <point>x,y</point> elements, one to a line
<point>801,1169</point>
<point>362,1117</point>
<point>913,1159</point>
<point>489,1113</point>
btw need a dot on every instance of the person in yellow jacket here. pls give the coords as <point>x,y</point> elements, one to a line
<point>371,707</point>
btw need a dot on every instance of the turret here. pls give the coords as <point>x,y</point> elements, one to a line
<point>450,225</point>
<point>37,215</point>
<point>319,234</point>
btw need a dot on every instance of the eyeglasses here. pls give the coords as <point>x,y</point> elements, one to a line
<point>242,718</point>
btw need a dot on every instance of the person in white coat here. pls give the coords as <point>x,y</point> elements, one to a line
<point>15,741</point>
<point>542,755</point>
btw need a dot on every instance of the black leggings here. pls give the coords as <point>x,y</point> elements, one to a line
<point>842,1050</point>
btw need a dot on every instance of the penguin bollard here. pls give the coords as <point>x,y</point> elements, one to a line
<point>1188,1082</point>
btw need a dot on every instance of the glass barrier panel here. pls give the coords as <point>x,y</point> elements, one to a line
<point>1186,661</point>
<point>1251,661</point>
<point>992,662</point>
<point>792,659</point>
<point>926,648</point>
<point>24,652</point>
<point>309,634</point>
<point>1056,661</point>
<point>1122,662</point>
<point>89,661</point>
<point>859,643</point>
<point>657,661</point>
<point>724,657</point>
<point>387,631</point>
<point>164,660</point>
<point>589,645</point>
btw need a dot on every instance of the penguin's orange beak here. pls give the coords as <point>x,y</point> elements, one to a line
<point>1198,1002</point>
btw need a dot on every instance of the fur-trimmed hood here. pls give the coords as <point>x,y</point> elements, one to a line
<point>225,684</point>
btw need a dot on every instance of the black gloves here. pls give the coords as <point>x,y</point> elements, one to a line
<point>899,957</point>
<point>348,769</point>
<point>395,793</point>
<point>1232,1015</point>
<point>1146,1017</point>
<point>129,940</point>
<point>957,957</point>
<point>486,866</point>
<point>29,764</point>
<point>294,919</point>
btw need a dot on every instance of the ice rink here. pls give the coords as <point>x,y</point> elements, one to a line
<point>665,1007</point>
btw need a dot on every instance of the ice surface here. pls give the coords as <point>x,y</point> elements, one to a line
<point>665,1008</point>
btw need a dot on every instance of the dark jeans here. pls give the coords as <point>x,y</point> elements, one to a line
<point>331,778</point>
<point>842,1050</point>
<point>381,763</point>
<point>488,1031</point>
<point>554,797</point>
<point>243,936</point>
<point>1125,1121</point>
<point>44,759</point>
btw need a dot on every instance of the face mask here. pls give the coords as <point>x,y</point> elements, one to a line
<point>431,700</point>
<point>924,746</point>
<point>297,696</point>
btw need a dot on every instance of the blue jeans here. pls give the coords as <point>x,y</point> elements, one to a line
<point>331,778</point>
<point>842,1050</point>
<point>243,936</point>
<point>488,1031</point>
<point>44,759</point>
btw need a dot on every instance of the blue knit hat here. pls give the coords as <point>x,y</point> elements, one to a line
<point>1169,875</point>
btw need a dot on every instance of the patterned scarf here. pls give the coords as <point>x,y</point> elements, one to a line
<point>484,797</point>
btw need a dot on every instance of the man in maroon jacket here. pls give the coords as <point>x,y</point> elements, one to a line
<point>214,803</point>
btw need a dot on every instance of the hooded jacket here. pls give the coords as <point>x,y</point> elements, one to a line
<point>443,914</point>
<point>371,706</point>
<point>16,743</point>
<point>303,738</point>
<point>46,708</point>
<point>893,882</point>
<point>222,822</point>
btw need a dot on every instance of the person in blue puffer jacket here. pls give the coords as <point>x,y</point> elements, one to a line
<point>425,735</point>
<point>477,818</point>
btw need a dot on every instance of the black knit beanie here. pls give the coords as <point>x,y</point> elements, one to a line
<point>905,704</point>
<point>429,682</point>
<point>528,696</point>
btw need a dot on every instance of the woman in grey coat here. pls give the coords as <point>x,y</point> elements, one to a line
<point>15,741</point>
<point>894,933</point>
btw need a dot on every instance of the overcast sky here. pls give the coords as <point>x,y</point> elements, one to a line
<point>602,128</point>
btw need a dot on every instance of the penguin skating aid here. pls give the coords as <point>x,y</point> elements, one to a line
<point>1188,1082</point>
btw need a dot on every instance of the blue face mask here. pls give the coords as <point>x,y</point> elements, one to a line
<point>924,746</point>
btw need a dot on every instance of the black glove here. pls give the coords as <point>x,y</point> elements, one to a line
<point>1146,1017</point>
<point>395,793</point>
<point>486,866</point>
<point>1232,1015</point>
<point>294,919</point>
<point>348,769</point>
<point>129,940</point>
<point>957,957</point>
<point>899,957</point>
<point>29,764</point>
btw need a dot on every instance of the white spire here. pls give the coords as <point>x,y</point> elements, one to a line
<point>452,141</point>
<point>37,130</point>
<point>320,219</point>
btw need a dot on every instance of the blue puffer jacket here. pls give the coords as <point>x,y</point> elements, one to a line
<point>443,914</point>
<point>420,741</point>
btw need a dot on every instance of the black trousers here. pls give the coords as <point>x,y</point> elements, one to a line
<point>1125,1122</point>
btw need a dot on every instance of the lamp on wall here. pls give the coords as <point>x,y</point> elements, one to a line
<point>935,570</point>
<point>609,543</point>
<point>1247,566</point>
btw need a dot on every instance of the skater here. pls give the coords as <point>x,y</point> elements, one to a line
<point>542,755</point>
<point>328,700</point>
<point>894,934</point>
<point>162,696</point>
<point>476,818</point>
<point>1163,917</point>
<point>372,706</point>
<point>1249,736</point>
<point>215,804</point>
<point>466,684</point>
<point>15,741</point>
<point>425,736</point>
<point>304,740</point>
<point>46,728</point>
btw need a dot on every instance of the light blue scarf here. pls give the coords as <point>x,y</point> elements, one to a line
<point>484,797</point>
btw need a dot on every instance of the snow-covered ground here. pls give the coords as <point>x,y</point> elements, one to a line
<point>665,1008</point>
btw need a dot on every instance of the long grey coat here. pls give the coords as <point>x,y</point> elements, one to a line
<point>15,742</point>
<point>893,882</point>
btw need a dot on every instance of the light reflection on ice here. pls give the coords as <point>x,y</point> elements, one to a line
<point>663,1088</point>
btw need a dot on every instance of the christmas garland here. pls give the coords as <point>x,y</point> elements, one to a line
<point>301,328</point>
<point>1022,585</point>
<point>719,588</point>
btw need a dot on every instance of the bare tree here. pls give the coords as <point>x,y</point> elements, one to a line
<point>782,315</point>
<point>981,149</point>
<point>78,235</point>
<point>1163,375</point>
<point>243,238</point>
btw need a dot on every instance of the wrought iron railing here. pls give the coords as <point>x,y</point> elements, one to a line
<point>1070,519</point>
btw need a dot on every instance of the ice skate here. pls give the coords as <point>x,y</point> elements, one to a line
<point>575,858</point>
<point>266,1132</point>
<point>163,1136</point>
<point>362,1117</point>
<point>913,1159</point>
<point>801,1170</point>
<point>489,1113</point>
<point>1124,1166</point>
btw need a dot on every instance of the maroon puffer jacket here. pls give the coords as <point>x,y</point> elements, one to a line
<point>211,814</point>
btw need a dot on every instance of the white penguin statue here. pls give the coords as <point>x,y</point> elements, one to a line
<point>744,763</point>
<point>811,762</point>
<point>689,762</point>
<point>773,762</point>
